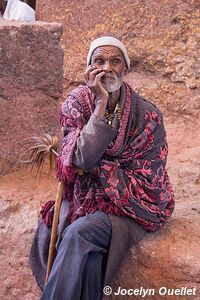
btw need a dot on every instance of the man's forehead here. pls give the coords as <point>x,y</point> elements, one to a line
<point>107,51</point>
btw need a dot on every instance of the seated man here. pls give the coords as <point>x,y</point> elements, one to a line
<point>112,163</point>
<point>16,10</point>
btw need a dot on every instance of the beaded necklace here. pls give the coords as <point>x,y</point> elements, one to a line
<point>110,116</point>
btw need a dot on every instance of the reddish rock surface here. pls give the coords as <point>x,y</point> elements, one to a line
<point>31,63</point>
<point>161,37</point>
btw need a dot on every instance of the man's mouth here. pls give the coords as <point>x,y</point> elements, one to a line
<point>106,77</point>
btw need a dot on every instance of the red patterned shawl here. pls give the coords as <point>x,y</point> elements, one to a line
<point>133,180</point>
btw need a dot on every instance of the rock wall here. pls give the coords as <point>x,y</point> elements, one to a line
<point>161,37</point>
<point>31,81</point>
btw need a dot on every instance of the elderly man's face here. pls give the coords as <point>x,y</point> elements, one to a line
<point>111,60</point>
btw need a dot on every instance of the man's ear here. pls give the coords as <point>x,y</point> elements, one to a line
<point>125,71</point>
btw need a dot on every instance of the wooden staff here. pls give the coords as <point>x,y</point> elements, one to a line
<point>42,148</point>
<point>51,255</point>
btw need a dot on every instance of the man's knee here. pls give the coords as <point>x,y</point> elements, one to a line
<point>78,229</point>
<point>95,228</point>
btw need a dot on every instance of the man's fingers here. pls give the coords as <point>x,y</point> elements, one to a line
<point>91,73</point>
<point>98,77</point>
<point>94,73</point>
<point>87,71</point>
<point>92,79</point>
<point>78,170</point>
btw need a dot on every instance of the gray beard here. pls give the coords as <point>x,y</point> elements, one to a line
<point>112,85</point>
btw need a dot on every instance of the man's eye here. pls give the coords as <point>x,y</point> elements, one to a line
<point>116,61</point>
<point>99,61</point>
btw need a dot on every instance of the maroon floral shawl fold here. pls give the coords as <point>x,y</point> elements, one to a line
<point>133,180</point>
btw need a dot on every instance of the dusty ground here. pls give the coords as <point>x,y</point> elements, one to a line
<point>21,198</point>
<point>22,195</point>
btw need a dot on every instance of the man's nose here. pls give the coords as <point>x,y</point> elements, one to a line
<point>107,66</point>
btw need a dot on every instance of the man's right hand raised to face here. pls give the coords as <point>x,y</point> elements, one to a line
<point>92,78</point>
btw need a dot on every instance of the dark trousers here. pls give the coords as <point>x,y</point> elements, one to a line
<point>78,269</point>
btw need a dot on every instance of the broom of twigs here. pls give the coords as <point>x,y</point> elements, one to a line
<point>41,149</point>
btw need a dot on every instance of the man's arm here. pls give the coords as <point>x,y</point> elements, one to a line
<point>92,143</point>
<point>94,138</point>
<point>96,135</point>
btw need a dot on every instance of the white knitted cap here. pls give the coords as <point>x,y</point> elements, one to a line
<point>108,41</point>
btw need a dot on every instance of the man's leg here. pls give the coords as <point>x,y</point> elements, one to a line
<point>77,270</point>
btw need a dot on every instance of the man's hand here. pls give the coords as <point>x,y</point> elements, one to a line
<point>95,171</point>
<point>79,171</point>
<point>92,78</point>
